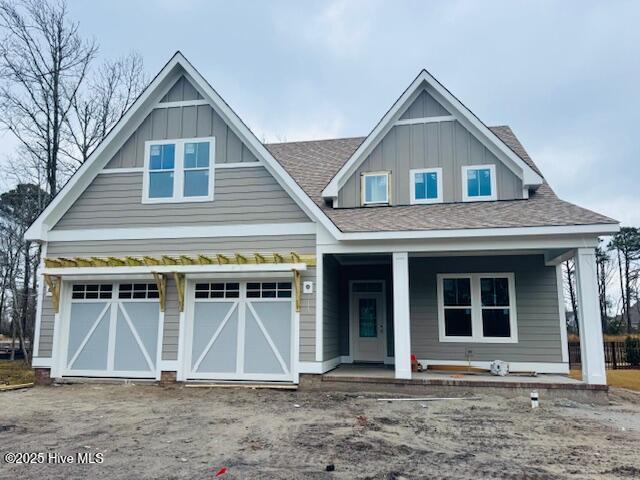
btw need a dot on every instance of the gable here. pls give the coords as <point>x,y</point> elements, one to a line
<point>444,144</point>
<point>122,146</point>
<point>426,96</point>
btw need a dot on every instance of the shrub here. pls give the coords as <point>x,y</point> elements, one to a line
<point>632,348</point>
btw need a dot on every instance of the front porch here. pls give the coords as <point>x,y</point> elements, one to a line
<point>456,309</point>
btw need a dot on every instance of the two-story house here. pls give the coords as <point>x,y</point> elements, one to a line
<point>185,248</point>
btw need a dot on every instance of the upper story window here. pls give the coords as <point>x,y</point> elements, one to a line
<point>479,183</point>
<point>426,185</point>
<point>477,307</point>
<point>375,188</point>
<point>178,170</point>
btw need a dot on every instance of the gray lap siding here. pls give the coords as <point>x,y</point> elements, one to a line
<point>538,321</point>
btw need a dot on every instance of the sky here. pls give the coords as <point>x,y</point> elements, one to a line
<point>563,74</point>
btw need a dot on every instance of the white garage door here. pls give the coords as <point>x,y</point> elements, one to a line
<point>113,330</point>
<point>241,331</point>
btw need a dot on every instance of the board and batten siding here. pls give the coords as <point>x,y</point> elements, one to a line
<point>424,106</point>
<point>241,195</point>
<point>181,91</point>
<point>538,320</point>
<point>447,145</point>
<point>284,244</point>
<point>182,122</point>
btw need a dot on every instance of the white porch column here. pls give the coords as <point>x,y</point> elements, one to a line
<point>591,347</point>
<point>401,325</point>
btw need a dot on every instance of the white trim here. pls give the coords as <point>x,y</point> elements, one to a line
<point>422,120</point>
<point>425,81</point>
<point>564,344</point>
<point>346,359</point>
<point>401,315</point>
<point>479,198</point>
<point>412,186</point>
<point>382,297</point>
<point>152,233</point>
<point>595,229</point>
<point>258,267</point>
<point>110,171</point>
<point>39,301</point>
<point>167,366</point>
<point>539,367</point>
<point>181,103</point>
<point>476,309</point>
<point>319,367</point>
<point>178,170</point>
<point>239,165</point>
<point>41,362</point>
<point>363,187</point>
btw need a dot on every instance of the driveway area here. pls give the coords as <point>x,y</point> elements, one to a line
<point>150,432</point>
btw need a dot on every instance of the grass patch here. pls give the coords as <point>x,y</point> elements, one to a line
<point>15,372</point>
<point>617,378</point>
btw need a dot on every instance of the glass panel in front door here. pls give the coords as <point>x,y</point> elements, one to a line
<point>368,317</point>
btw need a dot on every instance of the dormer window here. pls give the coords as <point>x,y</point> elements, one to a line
<point>425,185</point>
<point>479,183</point>
<point>178,170</point>
<point>375,188</point>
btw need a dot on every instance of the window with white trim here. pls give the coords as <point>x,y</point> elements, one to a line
<point>375,188</point>
<point>479,183</point>
<point>477,307</point>
<point>178,170</point>
<point>425,185</point>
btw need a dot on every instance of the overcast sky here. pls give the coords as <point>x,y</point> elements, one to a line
<point>565,75</point>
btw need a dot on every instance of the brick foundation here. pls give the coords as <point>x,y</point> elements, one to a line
<point>42,376</point>
<point>168,379</point>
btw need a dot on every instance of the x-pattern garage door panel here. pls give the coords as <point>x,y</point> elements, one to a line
<point>241,331</point>
<point>89,336</point>
<point>268,338</point>
<point>136,336</point>
<point>215,331</point>
<point>112,332</point>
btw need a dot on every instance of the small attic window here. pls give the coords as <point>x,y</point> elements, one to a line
<point>479,183</point>
<point>425,185</point>
<point>375,188</point>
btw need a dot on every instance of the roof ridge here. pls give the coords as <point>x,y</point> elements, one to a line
<point>316,140</point>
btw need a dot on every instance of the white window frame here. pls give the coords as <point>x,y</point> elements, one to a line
<point>476,309</point>
<point>363,187</point>
<point>412,185</point>
<point>480,198</point>
<point>178,177</point>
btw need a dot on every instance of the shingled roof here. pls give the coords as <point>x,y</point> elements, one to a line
<point>313,164</point>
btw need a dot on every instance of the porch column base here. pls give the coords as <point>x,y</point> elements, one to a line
<point>401,323</point>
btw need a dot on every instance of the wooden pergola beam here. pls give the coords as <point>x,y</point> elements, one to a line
<point>180,284</point>
<point>53,283</point>
<point>161,282</point>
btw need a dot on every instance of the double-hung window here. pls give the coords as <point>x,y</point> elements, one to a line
<point>477,307</point>
<point>178,170</point>
<point>425,185</point>
<point>479,183</point>
<point>375,188</point>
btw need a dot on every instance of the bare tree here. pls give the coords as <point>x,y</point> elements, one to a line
<point>626,243</point>
<point>98,107</point>
<point>43,62</point>
<point>569,271</point>
<point>606,271</point>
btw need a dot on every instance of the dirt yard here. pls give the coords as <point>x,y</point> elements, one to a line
<point>150,432</point>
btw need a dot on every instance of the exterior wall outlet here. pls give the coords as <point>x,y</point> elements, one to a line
<point>307,287</point>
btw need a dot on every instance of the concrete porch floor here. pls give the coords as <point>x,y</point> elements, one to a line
<point>367,373</point>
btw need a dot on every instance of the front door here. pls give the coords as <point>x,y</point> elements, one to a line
<point>368,326</point>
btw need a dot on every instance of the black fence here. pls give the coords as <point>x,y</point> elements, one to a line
<point>617,355</point>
